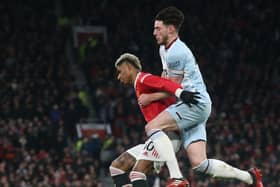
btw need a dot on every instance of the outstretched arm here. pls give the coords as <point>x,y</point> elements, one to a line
<point>145,99</point>
<point>162,84</point>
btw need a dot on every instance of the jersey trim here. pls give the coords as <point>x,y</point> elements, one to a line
<point>142,79</point>
<point>169,45</point>
<point>137,76</point>
<point>177,72</point>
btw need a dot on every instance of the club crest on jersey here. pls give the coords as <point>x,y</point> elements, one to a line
<point>173,64</point>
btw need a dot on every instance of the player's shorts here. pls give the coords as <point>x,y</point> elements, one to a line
<point>143,152</point>
<point>136,150</point>
<point>191,121</point>
<point>147,152</point>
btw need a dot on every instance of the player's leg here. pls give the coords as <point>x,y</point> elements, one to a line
<point>162,143</point>
<point>176,117</point>
<point>138,174</point>
<point>119,169</point>
<point>144,164</point>
<point>147,159</point>
<point>195,146</point>
<point>121,166</point>
<point>194,140</point>
<point>216,168</point>
<point>165,121</point>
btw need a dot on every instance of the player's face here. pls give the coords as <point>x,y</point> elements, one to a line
<point>123,74</point>
<point>160,32</point>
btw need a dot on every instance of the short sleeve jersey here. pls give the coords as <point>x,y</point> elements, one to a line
<point>178,60</point>
<point>148,83</point>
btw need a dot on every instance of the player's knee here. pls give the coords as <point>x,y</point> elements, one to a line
<point>124,162</point>
<point>138,168</point>
<point>148,128</point>
<point>197,153</point>
<point>143,166</point>
<point>151,128</point>
<point>115,163</point>
<point>115,171</point>
<point>201,167</point>
<point>195,162</point>
<point>136,175</point>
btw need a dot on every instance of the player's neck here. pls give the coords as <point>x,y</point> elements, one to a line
<point>170,41</point>
<point>134,76</point>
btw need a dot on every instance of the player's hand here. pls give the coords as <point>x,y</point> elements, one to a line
<point>144,100</point>
<point>189,97</point>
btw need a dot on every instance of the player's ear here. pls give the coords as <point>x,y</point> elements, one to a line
<point>171,28</point>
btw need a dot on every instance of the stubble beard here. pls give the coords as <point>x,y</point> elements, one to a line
<point>163,41</point>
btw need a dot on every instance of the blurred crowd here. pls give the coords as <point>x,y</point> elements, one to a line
<point>236,45</point>
<point>39,103</point>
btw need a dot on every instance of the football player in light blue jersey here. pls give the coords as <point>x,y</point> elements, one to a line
<point>180,62</point>
<point>180,66</point>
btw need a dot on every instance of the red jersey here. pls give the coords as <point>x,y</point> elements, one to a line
<point>148,83</point>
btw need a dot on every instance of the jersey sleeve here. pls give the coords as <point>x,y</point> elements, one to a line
<point>175,64</point>
<point>160,84</point>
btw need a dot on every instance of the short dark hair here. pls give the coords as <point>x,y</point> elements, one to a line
<point>171,16</point>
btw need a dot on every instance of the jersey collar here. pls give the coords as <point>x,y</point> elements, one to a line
<point>169,45</point>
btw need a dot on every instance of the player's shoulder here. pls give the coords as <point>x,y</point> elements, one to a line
<point>142,76</point>
<point>180,46</point>
<point>180,50</point>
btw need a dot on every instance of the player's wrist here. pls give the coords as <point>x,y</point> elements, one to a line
<point>178,92</point>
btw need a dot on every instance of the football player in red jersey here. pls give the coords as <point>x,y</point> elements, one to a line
<point>129,72</point>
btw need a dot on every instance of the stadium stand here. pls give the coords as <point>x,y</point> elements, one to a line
<point>236,44</point>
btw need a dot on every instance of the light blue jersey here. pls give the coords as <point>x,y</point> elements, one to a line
<point>178,60</point>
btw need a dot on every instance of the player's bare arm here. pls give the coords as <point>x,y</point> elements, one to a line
<point>146,99</point>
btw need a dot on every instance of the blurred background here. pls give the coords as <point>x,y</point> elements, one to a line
<point>64,117</point>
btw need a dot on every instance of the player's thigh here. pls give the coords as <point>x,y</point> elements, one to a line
<point>163,121</point>
<point>187,117</point>
<point>143,166</point>
<point>128,159</point>
<point>135,151</point>
<point>194,142</point>
<point>196,152</point>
